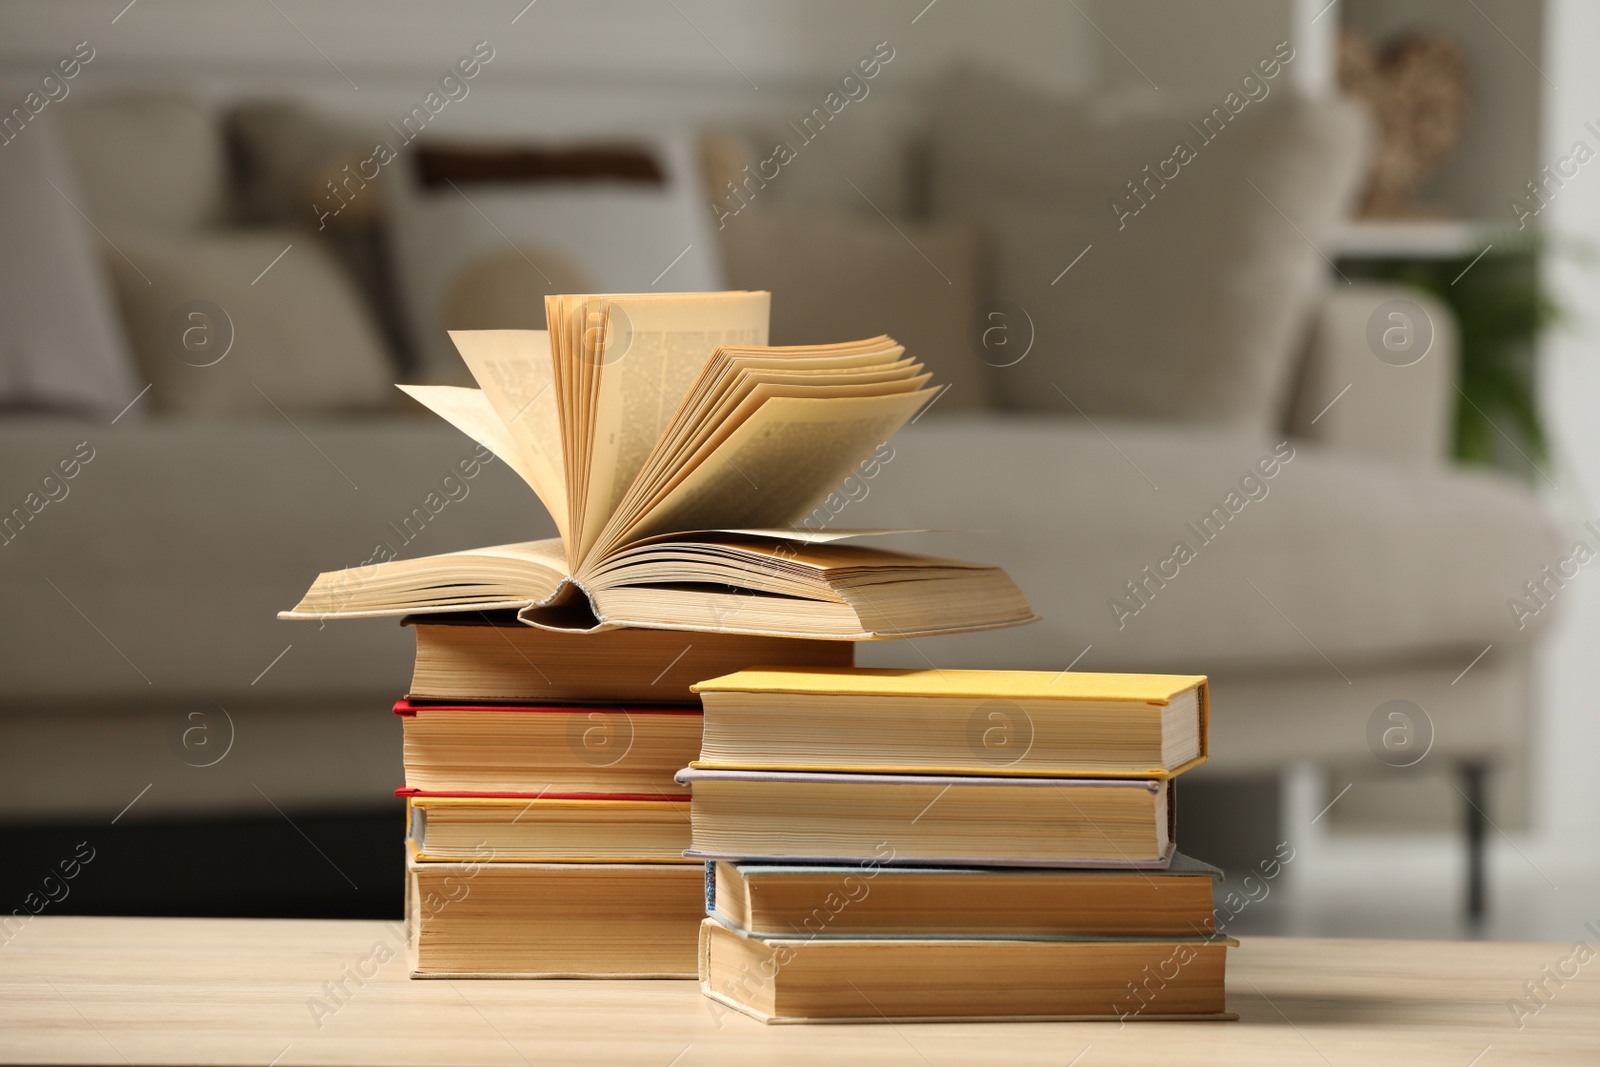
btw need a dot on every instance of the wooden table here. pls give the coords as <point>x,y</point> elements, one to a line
<point>87,990</point>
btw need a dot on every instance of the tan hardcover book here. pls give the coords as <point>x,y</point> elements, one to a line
<point>549,829</point>
<point>796,979</point>
<point>865,899</point>
<point>937,821</point>
<point>551,920</point>
<point>676,454</point>
<point>470,659</point>
<point>1024,723</point>
<point>537,750</point>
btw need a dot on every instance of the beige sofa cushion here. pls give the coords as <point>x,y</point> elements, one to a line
<point>1392,408</point>
<point>284,156</point>
<point>860,164</point>
<point>1369,563</point>
<point>835,278</point>
<point>147,160</point>
<point>63,345</point>
<point>296,335</point>
<point>1191,309</point>
<point>182,540</point>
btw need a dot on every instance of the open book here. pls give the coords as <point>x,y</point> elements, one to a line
<point>674,450</point>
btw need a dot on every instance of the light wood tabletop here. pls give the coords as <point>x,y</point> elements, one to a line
<point>95,990</point>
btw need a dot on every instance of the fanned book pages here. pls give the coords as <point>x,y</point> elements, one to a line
<point>675,451</point>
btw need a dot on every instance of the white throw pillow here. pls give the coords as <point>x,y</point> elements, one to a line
<point>219,338</point>
<point>613,236</point>
<point>1187,302</point>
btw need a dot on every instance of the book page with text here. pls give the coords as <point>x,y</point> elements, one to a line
<point>515,372</point>
<point>707,408</point>
<point>564,331</point>
<point>469,411</point>
<point>663,474</point>
<point>731,373</point>
<point>784,460</point>
<point>654,348</point>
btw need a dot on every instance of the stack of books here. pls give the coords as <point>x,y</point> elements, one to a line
<point>545,832</point>
<point>951,844</point>
<point>684,464</point>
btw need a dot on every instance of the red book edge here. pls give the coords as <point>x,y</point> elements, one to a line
<point>411,707</point>
<point>409,791</point>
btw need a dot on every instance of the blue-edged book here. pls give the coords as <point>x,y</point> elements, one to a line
<point>795,979</point>
<point>871,899</point>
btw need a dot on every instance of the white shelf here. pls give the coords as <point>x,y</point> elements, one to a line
<point>1412,238</point>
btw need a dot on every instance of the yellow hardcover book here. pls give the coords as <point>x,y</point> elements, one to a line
<point>955,722</point>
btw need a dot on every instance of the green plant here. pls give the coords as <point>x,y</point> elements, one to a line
<point>1501,308</point>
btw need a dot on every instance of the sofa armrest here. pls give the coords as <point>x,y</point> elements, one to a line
<point>1401,414</point>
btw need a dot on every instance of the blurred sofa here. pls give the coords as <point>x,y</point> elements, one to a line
<point>1138,357</point>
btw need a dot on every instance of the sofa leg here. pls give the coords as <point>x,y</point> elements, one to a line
<point>1473,780</point>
